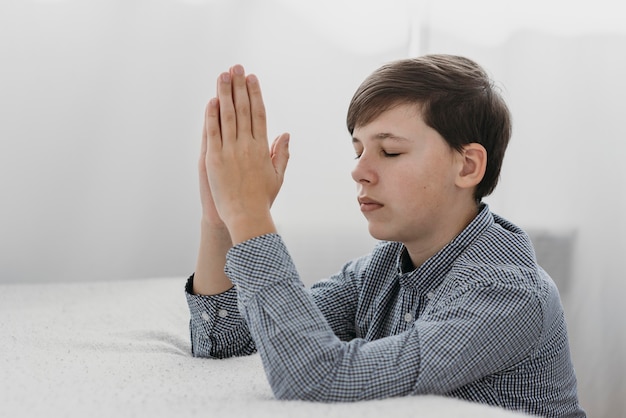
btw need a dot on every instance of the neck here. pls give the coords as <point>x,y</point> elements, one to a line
<point>448,227</point>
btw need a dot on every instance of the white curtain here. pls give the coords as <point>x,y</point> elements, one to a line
<point>101,107</point>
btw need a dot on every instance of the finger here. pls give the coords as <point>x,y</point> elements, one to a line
<point>203,146</point>
<point>212,135</point>
<point>227,117</point>
<point>257,108</point>
<point>241,101</point>
<point>204,131</point>
<point>280,154</point>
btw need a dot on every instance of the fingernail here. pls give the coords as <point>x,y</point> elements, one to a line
<point>252,79</point>
<point>225,77</point>
<point>238,69</point>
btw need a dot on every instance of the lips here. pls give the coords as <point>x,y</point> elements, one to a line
<point>368,205</point>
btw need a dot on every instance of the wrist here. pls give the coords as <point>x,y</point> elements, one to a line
<point>210,223</point>
<point>214,230</point>
<point>245,227</point>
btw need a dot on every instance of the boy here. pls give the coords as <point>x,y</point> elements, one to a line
<point>451,301</point>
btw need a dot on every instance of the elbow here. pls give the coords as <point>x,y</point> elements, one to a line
<point>303,386</point>
<point>312,375</point>
<point>298,392</point>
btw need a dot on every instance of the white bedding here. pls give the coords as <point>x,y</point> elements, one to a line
<point>121,349</point>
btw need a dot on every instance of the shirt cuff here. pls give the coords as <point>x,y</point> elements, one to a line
<point>257,263</point>
<point>212,321</point>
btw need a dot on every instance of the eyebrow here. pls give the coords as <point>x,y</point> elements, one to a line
<point>382,136</point>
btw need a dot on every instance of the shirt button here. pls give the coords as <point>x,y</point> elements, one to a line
<point>222,313</point>
<point>430,295</point>
<point>205,316</point>
<point>408,317</point>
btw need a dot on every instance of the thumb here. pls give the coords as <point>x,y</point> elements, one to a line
<point>280,153</point>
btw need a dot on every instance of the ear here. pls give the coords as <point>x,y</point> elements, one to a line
<point>473,161</point>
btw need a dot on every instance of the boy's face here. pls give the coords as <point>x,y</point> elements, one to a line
<point>405,175</point>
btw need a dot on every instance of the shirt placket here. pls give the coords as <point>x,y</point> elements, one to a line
<point>406,308</point>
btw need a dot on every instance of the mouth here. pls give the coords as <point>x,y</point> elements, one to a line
<point>368,205</point>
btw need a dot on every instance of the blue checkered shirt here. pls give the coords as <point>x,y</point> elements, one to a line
<point>480,321</point>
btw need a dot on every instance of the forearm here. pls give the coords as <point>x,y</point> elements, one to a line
<point>209,278</point>
<point>302,356</point>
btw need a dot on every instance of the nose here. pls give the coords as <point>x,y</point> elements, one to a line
<point>363,171</point>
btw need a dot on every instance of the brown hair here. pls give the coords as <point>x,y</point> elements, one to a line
<point>456,98</point>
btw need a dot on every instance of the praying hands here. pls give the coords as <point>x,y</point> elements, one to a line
<point>244,173</point>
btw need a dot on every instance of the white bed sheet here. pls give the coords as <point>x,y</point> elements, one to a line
<point>121,349</point>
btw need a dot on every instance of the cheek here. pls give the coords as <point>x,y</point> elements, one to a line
<point>423,188</point>
<point>439,172</point>
<point>414,178</point>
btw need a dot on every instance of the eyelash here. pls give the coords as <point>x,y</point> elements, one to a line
<point>385,154</point>
<point>390,154</point>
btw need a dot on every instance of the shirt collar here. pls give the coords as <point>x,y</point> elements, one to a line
<point>430,274</point>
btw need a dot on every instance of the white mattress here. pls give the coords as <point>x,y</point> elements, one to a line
<point>121,349</point>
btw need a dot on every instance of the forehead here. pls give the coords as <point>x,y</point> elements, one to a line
<point>398,123</point>
<point>372,110</point>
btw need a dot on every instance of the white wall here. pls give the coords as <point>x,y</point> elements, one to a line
<point>101,108</point>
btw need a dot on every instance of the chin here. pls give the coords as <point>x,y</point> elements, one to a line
<point>381,234</point>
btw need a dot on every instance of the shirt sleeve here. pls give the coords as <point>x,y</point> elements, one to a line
<point>304,359</point>
<point>337,298</point>
<point>488,326</point>
<point>217,328</point>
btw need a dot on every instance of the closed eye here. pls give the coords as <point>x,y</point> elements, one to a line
<point>385,154</point>
<point>390,154</point>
